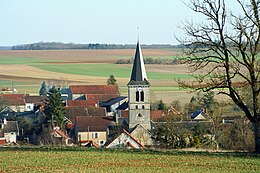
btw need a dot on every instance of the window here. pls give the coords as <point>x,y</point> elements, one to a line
<point>101,142</point>
<point>142,96</point>
<point>95,135</point>
<point>137,96</point>
<point>136,106</point>
<point>142,106</point>
<point>139,115</point>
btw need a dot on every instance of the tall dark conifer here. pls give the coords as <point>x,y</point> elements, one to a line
<point>43,89</point>
<point>55,109</point>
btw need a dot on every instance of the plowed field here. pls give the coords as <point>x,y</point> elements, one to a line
<point>85,67</point>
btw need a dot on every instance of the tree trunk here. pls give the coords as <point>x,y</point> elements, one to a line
<point>256,127</point>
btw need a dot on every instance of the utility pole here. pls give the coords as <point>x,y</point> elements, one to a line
<point>13,87</point>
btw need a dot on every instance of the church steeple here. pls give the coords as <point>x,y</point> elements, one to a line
<point>139,93</point>
<point>138,75</point>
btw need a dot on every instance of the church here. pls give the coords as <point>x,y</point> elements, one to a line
<point>139,121</point>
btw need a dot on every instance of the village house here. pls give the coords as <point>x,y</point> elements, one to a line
<point>73,111</point>
<point>7,112</point>
<point>34,102</point>
<point>8,131</point>
<point>15,102</point>
<point>198,115</point>
<point>92,129</point>
<point>125,140</point>
<point>101,93</point>
<point>113,104</point>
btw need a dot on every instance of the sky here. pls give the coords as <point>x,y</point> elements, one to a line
<point>92,21</point>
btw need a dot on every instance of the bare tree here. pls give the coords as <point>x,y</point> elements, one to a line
<point>223,54</point>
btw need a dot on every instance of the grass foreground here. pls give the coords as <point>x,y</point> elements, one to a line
<point>51,159</point>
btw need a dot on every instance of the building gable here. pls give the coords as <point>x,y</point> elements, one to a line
<point>142,135</point>
<point>125,140</point>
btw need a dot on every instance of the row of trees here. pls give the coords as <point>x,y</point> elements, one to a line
<point>58,45</point>
<point>150,60</point>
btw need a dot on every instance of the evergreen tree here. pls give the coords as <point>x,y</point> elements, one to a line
<point>162,105</point>
<point>43,89</point>
<point>111,80</point>
<point>55,110</point>
<point>209,102</point>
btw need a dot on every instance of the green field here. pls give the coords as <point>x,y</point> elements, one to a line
<point>90,160</point>
<point>23,60</point>
<point>82,66</point>
<point>104,70</point>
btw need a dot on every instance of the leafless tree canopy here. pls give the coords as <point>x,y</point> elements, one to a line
<point>226,45</point>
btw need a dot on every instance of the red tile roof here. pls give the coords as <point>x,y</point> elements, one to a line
<point>72,112</point>
<point>156,114</point>
<point>35,99</point>
<point>94,89</point>
<point>85,103</point>
<point>13,96</point>
<point>18,102</point>
<point>88,123</point>
<point>101,97</point>
<point>14,99</point>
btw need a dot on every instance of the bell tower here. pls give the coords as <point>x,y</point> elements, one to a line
<point>139,93</point>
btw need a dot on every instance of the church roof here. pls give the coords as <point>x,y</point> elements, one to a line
<point>138,76</point>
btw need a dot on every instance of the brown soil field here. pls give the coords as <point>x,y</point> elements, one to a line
<point>25,73</point>
<point>84,56</point>
<point>28,73</point>
<point>32,75</point>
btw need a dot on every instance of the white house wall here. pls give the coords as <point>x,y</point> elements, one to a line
<point>122,141</point>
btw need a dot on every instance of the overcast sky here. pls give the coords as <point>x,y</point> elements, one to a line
<point>92,21</point>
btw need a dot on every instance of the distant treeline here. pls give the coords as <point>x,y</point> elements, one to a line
<point>58,46</point>
<point>5,47</point>
<point>149,60</point>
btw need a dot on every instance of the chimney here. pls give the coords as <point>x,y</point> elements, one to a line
<point>116,118</point>
<point>5,122</point>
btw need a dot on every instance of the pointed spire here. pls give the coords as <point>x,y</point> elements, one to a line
<point>138,71</point>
